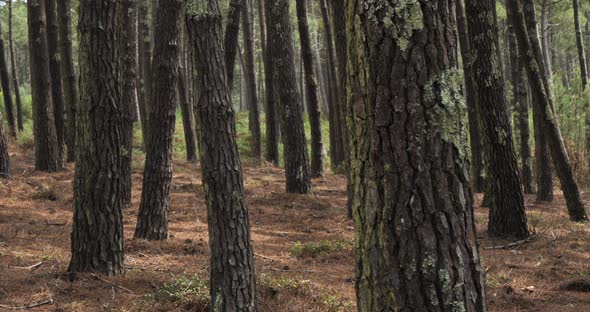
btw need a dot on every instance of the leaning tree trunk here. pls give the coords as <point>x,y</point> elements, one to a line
<point>70,84</point>
<point>5,81</point>
<point>415,232</point>
<point>531,56</point>
<point>232,30</point>
<point>4,158</point>
<point>250,71</point>
<point>233,281</point>
<point>56,83</point>
<point>313,104</point>
<point>477,164</point>
<point>97,231</point>
<point>129,62</point>
<point>152,219</point>
<point>294,141</point>
<point>271,97</point>
<point>46,144</point>
<point>507,215</point>
<point>19,105</point>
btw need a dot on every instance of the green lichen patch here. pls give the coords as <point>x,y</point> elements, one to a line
<point>196,7</point>
<point>399,19</point>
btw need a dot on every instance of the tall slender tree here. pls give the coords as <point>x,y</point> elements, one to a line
<point>55,72</point>
<point>46,144</point>
<point>507,215</point>
<point>313,104</point>
<point>294,142</point>
<point>232,281</point>
<point>583,66</point>
<point>5,82</point>
<point>232,31</point>
<point>145,62</point>
<point>271,98</point>
<point>70,84</point>
<point>19,105</point>
<point>152,220</point>
<point>97,231</point>
<point>415,234</point>
<point>186,108</point>
<point>531,51</point>
<point>250,71</point>
<point>4,157</point>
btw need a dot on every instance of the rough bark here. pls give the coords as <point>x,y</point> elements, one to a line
<point>97,232</point>
<point>46,146</point>
<point>5,82</point>
<point>294,142</point>
<point>152,219</point>
<point>19,105</point>
<point>417,248</point>
<point>506,216</point>
<point>313,105</point>
<point>232,29</point>
<point>250,74</point>
<point>471,101</point>
<point>232,278</point>
<point>57,92</point>
<point>70,84</point>
<point>530,48</point>
<point>4,157</point>
<point>145,56</point>
<point>272,125</point>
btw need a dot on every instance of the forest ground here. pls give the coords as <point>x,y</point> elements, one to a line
<point>303,249</point>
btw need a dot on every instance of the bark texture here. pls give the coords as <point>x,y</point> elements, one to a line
<point>233,281</point>
<point>4,158</point>
<point>97,232</point>
<point>145,55</point>
<point>271,97</point>
<point>5,82</point>
<point>19,105</point>
<point>414,228</point>
<point>294,141</point>
<point>187,117</point>
<point>46,144</point>
<point>232,30</point>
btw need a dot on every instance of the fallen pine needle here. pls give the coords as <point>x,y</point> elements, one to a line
<point>28,306</point>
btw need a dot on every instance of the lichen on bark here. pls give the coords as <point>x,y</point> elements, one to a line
<point>399,19</point>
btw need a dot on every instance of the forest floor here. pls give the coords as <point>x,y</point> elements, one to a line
<point>303,249</point>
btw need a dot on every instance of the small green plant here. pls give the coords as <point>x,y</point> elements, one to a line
<point>186,290</point>
<point>321,248</point>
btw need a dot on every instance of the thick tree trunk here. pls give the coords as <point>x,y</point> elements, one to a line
<point>4,158</point>
<point>417,248</point>
<point>336,144</point>
<point>97,232</point>
<point>56,83</point>
<point>19,105</point>
<point>70,84</point>
<point>272,124</point>
<point>471,101</point>
<point>145,62</point>
<point>232,30</point>
<point>129,62</point>
<point>152,219</point>
<point>5,82</point>
<point>295,147</point>
<point>507,215</point>
<point>313,105</point>
<point>250,71</point>
<point>46,144</point>
<point>233,281</point>
<point>530,48</point>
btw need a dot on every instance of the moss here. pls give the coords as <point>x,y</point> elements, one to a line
<point>398,18</point>
<point>196,7</point>
<point>449,112</point>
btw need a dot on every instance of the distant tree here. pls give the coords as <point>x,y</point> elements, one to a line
<point>152,220</point>
<point>97,231</point>
<point>19,105</point>
<point>4,158</point>
<point>583,66</point>
<point>57,92</point>
<point>232,282</point>
<point>70,84</point>
<point>313,104</point>
<point>144,45</point>
<point>186,108</point>
<point>232,31</point>
<point>271,96</point>
<point>294,142</point>
<point>46,143</point>
<point>5,82</point>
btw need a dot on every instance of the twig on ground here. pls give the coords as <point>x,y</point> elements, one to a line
<point>512,245</point>
<point>28,306</point>
<point>111,283</point>
<point>31,267</point>
<point>289,270</point>
<point>264,257</point>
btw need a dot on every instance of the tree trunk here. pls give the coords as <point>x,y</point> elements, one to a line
<point>417,248</point>
<point>531,54</point>
<point>507,215</point>
<point>4,158</point>
<point>19,105</point>
<point>152,219</point>
<point>272,124</point>
<point>295,147</point>
<point>56,83</point>
<point>545,35</point>
<point>129,62</point>
<point>583,68</point>
<point>232,30</point>
<point>471,100</point>
<point>187,118</point>
<point>313,105</point>
<point>46,144</point>
<point>232,279</point>
<point>97,232</point>
<point>145,55</point>
<point>336,144</point>
<point>70,84</point>
<point>250,71</point>
<point>5,81</point>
